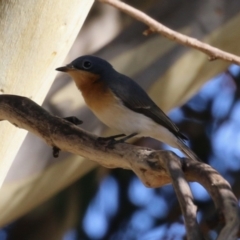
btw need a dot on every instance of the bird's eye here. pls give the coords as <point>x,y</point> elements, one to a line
<point>87,64</point>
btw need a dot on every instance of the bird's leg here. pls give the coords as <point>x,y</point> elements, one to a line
<point>72,119</point>
<point>111,141</point>
<point>126,138</point>
<point>104,139</point>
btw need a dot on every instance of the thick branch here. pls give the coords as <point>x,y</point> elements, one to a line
<point>154,168</point>
<point>213,52</point>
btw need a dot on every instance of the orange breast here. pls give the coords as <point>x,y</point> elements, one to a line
<point>96,95</point>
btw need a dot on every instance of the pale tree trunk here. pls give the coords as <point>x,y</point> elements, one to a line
<point>35,37</point>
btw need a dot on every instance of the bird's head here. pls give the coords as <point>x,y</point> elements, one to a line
<point>87,69</point>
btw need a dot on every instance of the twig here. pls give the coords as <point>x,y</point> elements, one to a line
<point>154,168</point>
<point>213,52</point>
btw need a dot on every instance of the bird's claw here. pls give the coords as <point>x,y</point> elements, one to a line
<point>109,142</point>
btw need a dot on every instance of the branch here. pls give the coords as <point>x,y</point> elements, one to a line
<point>219,189</point>
<point>154,168</point>
<point>185,198</point>
<point>213,52</point>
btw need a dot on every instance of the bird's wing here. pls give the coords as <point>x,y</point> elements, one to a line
<point>136,99</point>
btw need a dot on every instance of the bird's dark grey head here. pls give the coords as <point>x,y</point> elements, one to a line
<point>88,63</point>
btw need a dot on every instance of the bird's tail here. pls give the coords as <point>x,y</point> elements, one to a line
<point>187,151</point>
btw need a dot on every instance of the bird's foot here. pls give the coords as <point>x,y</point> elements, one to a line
<point>72,119</point>
<point>110,137</point>
<point>111,141</point>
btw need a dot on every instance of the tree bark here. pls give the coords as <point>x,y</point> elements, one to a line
<point>35,37</point>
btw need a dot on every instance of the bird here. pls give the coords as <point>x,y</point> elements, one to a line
<point>121,104</point>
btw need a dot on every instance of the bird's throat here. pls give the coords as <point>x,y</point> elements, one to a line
<point>94,91</point>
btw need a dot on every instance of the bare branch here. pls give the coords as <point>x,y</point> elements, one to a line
<point>185,198</point>
<point>154,168</point>
<point>154,26</point>
<point>221,193</point>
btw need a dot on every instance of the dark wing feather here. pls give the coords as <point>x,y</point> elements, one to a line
<point>135,98</point>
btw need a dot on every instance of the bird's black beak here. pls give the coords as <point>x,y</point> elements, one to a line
<point>67,68</point>
<point>62,69</point>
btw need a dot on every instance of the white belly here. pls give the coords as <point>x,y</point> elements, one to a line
<point>127,121</point>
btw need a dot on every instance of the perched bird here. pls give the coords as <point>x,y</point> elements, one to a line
<point>122,104</point>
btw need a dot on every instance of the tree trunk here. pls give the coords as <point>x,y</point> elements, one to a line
<point>35,37</point>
